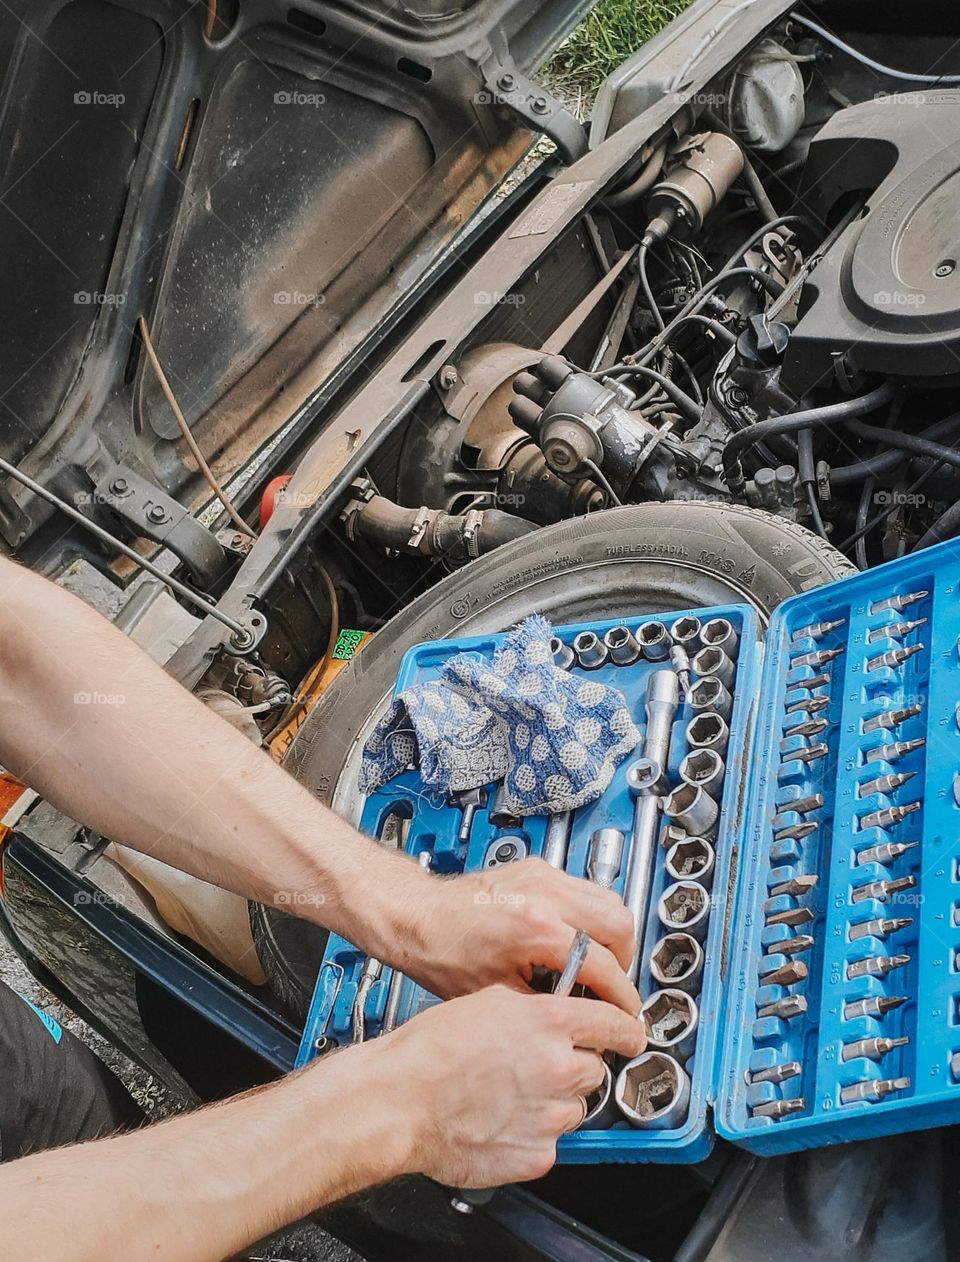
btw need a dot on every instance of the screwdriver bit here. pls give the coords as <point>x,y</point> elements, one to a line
<point>793,916</point>
<point>784,974</point>
<point>819,657</point>
<point>872,1049</point>
<point>872,1006</point>
<point>876,965</point>
<point>891,718</point>
<point>809,727</point>
<point>893,657</point>
<point>885,784</point>
<point>811,704</point>
<point>886,852</point>
<point>888,815</point>
<point>800,806</point>
<point>777,1073</point>
<point>882,890</point>
<point>815,681</point>
<point>897,603</point>
<point>797,886</point>
<point>680,661</point>
<point>895,630</point>
<point>879,928</point>
<point>785,1008</point>
<point>796,832</point>
<point>779,1108</point>
<point>817,629</point>
<point>792,946</point>
<point>810,754</point>
<point>890,753</point>
<point>872,1089</point>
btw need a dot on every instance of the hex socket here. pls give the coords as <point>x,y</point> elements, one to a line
<point>692,859</point>
<point>654,640</point>
<point>622,646</point>
<point>671,1019</point>
<point>704,768</point>
<point>676,962</point>
<point>601,1110</point>
<point>692,809</point>
<point>714,661</point>
<point>710,694</point>
<point>684,907</point>
<point>590,650</point>
<point>653,1092</point>
<point>719,633</point>
<point>708,731</point>
<point>685,631</point>
<point>563,655</point>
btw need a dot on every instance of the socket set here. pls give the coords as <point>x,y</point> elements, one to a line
<point>785,837</point>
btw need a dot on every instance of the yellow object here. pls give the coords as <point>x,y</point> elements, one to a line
<point>317,681</point>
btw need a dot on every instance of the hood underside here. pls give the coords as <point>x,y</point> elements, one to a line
<point>261,183</point>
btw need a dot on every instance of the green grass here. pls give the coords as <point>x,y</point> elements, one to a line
<point>611,32</point>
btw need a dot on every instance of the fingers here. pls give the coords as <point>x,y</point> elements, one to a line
<point>585,906</point>
<point>588,1072</point>
<point>601,971</point>
<point>597,1026</point>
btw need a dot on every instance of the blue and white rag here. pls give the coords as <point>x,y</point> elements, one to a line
<point>555,739</point>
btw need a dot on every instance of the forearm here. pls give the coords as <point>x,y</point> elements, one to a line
<point>203,1186</point>
<point>143,762</point>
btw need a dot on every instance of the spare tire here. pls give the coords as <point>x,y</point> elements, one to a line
<point>626,561</point>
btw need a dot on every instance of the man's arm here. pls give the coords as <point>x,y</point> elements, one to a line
<point>101,731</point>
<point>445,1096</point>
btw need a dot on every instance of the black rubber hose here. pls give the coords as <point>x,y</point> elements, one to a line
<point>380,521</point>
<point>644,181</point>
<point>947,526</point>
<point>846,410</point>
<point>888,461</point>
<point>906,442</point>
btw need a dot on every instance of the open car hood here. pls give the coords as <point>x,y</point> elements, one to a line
<point>261,182</point>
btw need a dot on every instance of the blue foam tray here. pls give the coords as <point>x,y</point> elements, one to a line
<point>732,1042</point>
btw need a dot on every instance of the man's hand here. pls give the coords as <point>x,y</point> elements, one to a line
<point>493,1079</point>
<point>497,925</point>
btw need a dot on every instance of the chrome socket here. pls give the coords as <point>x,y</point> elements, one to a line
<point>654,640</point>
<point>719,633</point>
<point>663,697</point>
<point>708,731</point>
<point>622,646</point>
<point>685,632</point>
<point>714,661</point>
<point>693,810</point>
<point>653,1092</point>
<point>563,655</point>
<point>704,768</point>
<point>601,1109</point>
<point>605,856</point>
<point>684,907</point>
<point>676,963</point>
<point>671,1019</point>
<point>590,650</point>
<point>710,695</point>
<point>692,859</point>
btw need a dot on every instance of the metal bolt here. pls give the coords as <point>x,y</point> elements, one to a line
<point>540,105</point>
<point>506,81</point>
<point>119,486</point>
<point>157,513</point>
<point>448,377</point>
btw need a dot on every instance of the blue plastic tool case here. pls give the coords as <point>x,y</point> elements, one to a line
<point>753,856</point>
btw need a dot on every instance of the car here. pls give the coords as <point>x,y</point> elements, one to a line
<point>295,358</point>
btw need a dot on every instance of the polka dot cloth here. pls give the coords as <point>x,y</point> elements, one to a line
<point>555,739</point>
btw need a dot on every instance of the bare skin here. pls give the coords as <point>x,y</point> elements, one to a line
<point>103,733</point>
<point>444,1096</point>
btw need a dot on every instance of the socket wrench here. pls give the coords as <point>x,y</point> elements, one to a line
<point>653,1092</point>
<point>601,1109</point>
<point>692,859</point>
<point>671,1019</point>
<point>605,856</point>
<point>654,640</point>
<point>563,655</point>
<point>684,907</point>
<point>692,809</point>
<point>621,644</point>
<point>708,731</point>
<point>591,651</point>
<point>709,694</point>
<point>506,848</point>
<point>719,633</point>
<point>685,632</point>
<point>663,696</point>
<point>714,662</point>
<point>676,963</point>
<point>556,839</point>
